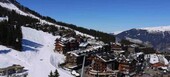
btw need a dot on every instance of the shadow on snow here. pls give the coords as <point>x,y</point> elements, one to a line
<point>30,46</point>
<point>4,51</point>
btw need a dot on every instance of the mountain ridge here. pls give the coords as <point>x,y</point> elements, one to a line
<point>50,21</point>
<point>157,37</point>
<point>157,29</point>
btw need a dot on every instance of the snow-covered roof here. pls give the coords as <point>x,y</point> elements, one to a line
<point>120,51</point>
<point>106,57</point>
<point>3,18</point>
<point>153,59</point>
<point>134,45</point>
<point>75,73</point>
<point>82,52</point>
<point>61,44</point>
<point>58,37</point>
<point>116,43</point>
<point>63,39</point>
<point>138,54</point>
<point>71,38</point>
<point>83,44</point>
<point>165,61</point>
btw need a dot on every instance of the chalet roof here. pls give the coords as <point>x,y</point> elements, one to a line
<point>58,37</point>
<point>126,58</point>
<point>139,53</point>
<point>86,51</point>
<point>12,67</point>
<point>15,67</point>
<point>61,44</point>
<point>71,39</point>
<point>134,45</point>
<point>165,61</point>
<point>168,58</point>
<point>84,44</point>
<point>73,53</point>
<point>127,61</point>
<point>3,18</point>
<point>154,59</point>
<point>118,44</point>
<point>106,57</point>
<point>63,39</point>
<point>119,51</point>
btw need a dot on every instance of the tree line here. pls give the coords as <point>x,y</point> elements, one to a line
<point>10,35</point>
<point>18,20</point>
<point>100,35</point>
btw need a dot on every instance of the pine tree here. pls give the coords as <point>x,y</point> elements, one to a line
<point>51,74</point>
<point>56,74</point>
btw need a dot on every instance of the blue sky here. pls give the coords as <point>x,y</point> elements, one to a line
<point>105,15</point>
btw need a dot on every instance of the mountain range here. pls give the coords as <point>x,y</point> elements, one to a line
<point>156,37</point>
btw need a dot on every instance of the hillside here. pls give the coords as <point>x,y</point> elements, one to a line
<point>158,37</point>
<point>37,55</point>
<point>37,42</point>
<point>17,12</point>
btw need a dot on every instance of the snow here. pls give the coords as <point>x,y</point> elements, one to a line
<point>139,53</point>
<point>165,61</point>
<point>83,44</point>
<point>3,18</point>
<point>11,6</point>
<point>134,40</point>
<point>117,32</point>
<point>157,29</point>
<point>77,32</point>
<point>37,57</point>
<point>75,73</point>
<point>165,68</point>
<point>154,59</point>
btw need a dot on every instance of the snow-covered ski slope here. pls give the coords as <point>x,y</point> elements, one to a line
<point>37,55</point>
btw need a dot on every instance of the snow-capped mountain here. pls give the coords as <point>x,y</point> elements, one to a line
<point>158,37</point>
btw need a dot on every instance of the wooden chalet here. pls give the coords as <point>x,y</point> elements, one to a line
<point>127,67</point>
<point>84,45</point>
<point>59,47</point>
<point>115,46</point>
<point>13,71</point>
<point>103,65</point>
<point>79,38</point>
<point>158,61</point>
<point>73,60</point>
<point>74,45</point>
